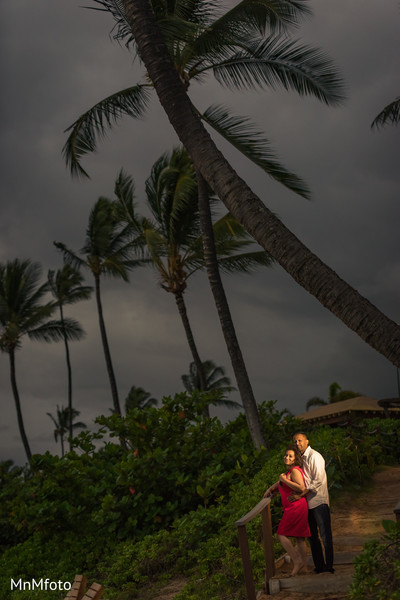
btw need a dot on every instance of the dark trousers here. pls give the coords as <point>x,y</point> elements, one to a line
<point>319,519</point>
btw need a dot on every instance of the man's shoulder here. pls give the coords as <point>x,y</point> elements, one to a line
<point>314,454</point>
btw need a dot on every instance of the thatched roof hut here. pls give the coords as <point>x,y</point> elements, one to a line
<point>357,408</point>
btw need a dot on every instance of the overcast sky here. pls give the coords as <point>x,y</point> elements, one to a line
<point>57,60</point>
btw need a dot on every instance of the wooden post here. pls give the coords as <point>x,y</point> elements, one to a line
<point>95,592</point>
<point>77,589</point>
<point>268,546</point>
<point>248,571</point>
<point>262,507</point>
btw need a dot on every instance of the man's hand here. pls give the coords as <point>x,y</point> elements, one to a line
<point>294,496</point>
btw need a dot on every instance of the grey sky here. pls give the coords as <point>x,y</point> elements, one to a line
<point>57,61</point>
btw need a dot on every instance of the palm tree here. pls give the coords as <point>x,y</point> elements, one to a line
<point>62,423</point>
<point>66,286</point>
<point>225,317</point>
<point>215,380</point>
<point>355,311</point>
<point>234,47</point>
<point>22,313</point>
<point>173,237</point>
<point>139,398</point>
<point>336,394</point>
<point>106,251</point>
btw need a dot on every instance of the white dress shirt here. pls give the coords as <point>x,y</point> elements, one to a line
<point>315,478</point>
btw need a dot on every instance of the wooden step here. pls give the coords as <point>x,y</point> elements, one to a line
<point>352,540</point>
<point>323,583</point>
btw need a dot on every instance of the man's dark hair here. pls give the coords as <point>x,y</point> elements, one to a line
<point>301,433</point>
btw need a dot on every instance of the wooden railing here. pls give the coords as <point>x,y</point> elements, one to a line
<point>396,511</point>
<point>264,509</point>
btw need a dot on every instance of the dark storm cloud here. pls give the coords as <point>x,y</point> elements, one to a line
<point>57,61</point>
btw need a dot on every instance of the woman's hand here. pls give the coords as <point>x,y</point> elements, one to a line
<point>283,477</point>
<point>271,491</point>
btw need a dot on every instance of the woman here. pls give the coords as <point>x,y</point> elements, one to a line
<point>294,522</point>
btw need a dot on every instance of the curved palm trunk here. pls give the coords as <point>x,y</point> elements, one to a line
<point>192,344</point>
<point>18,406</point>
<point>307,269</point>
<point>106,348</point>
<point>69,375</point>
<point>224,313</point>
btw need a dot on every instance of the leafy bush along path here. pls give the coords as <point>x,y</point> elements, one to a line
<point>356,513</point>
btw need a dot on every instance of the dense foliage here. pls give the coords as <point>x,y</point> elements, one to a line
<point>165,506</point>
<point>377,569</point>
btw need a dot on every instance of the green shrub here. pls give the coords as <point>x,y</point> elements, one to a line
<point>377,569</point>
<point>168,504</point>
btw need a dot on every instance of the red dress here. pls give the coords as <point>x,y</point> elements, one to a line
<point>294,522</point>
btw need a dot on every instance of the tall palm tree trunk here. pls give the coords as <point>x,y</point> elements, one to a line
<point>69,375</point>
<point>106,348</point>
<point>355,311</point>
<point>224,313</point>
<point>192,344</point>
<point>18,406</point>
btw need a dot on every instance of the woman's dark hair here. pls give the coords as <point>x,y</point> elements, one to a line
<point>298,459</point>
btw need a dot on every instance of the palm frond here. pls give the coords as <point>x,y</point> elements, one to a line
<point>93,124</point>
<point>250,16</point>
<point>117,9</point>
<point>281,62</point>
<point>66,285</point>
<point>241,24</point>
<point>202,12</point>
<point>245,263</point>
<point>125,205</point>
<point>70,257</point>
<point>244,136</point>
<point>53,331</point>
<point>390,114</point>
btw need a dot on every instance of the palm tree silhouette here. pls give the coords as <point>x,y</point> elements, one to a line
<point>235,47</point>
<point>336,394</point>
<point>216,379</point>
<point>106,251</point>
<point>246,47</point>
<point>139,398</point>
<point>172,238</point>
<point>66,286</point>
<point>23,313</point>
<point>62,424</point>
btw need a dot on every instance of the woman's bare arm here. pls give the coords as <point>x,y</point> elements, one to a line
<point>294,481</point>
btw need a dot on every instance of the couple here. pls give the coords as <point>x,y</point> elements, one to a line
<point>305,501</point>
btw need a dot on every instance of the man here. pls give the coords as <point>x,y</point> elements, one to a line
<point>319,515</point>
